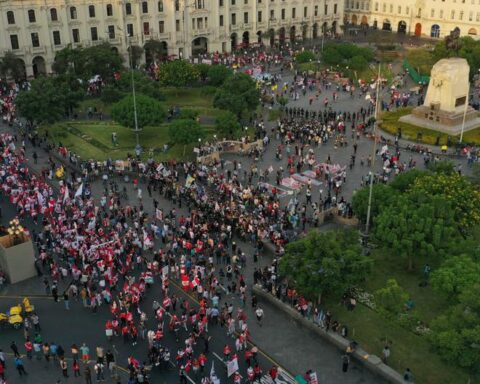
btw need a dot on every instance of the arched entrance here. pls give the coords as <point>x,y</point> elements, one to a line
<point>364,21</point>
<point>354,19</point>
<point>281,36</point>
<point>334,27</point>
<point>435,31</point>
<point>271,36</point>
<point>259,37</point>
<point>418,29</point>
<point>324,28</point>
<point>472,31</point>
<point>38,65</point>
<point>199,46</point>
<point>386,25</point>
<point>233,41</point>
<point>245,39</point>
<point>304,31</point>
<point>315,31</point>
<point>292,33</point>
<point>402,27</point>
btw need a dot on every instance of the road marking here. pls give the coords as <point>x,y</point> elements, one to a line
<point>188,377</point>
<point>27,296</point>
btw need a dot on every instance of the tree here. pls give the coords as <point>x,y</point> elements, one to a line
<point>358,63</point>
<point>177,73</point>
<point>149,111</point>
<point>185,132</point>
<point>382,195</point>
<point>404,181</point>
<point>101,60</point>
<point>414,225</point>
<point>12,66</point>
<point>227,125</point>
<point>136,53</point>
<point>305,57</point>
<point>456,190</point>
<point>217,74</point>
<point>392,297</point>
<point>143,84</point>
<point>43,103</point>
<point>155,48</point>
<point>203,71</point>
<point>69,61</point>
<point>325,263</point>
<point>238,94</point>
<point>456,334</point>
<point>456,275</point>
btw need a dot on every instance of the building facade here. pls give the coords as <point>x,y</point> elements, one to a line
<point>429,18</point>
<point>35,30</point>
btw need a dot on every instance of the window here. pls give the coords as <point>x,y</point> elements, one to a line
<point>160,6</point>
<point>220,3</point>
<point>206,22</point>
<point>461,15</point>
<point>146,28</point>
<point>384,7</point>
<point>177,25</point>
<point>177,5</point>
<point>56,38</point>
<point>452,14</point>
<point>245,2</point>
<point>376,7</point>
<point>305,12</point>
<point>35,39</point>
<point>441,14</point>
<point>325,9</point>
<point>199,4</point>
<point>407,11</point>
<point>245,17</point>
<point>220,21</point>
<point>128,8</point>
<point>335,8</point>
<point>259,16</point>
<point>470,16</point>
<point>315,10</point>
<point>94,33</point>
<point>130,30</point>
<point>294,11</point>
<point>391,8</point>
<point>233,2</point>
<point>109,10</point>
<point>76,35</point>
<point>234,19</point>
<point>73,13</point>
<point>144,7</point>
<point>272,14</point>
<point>53,14</point>
<point>283,13</point>
<point>10,17</point>
<point>199,23</point>
<point>31,16</point>
<point>432,13</point>
<point>14,42</point>
<point>111,32</point>
<point>91,10</point>
<point>399,9</point>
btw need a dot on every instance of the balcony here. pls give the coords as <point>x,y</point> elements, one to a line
<point>39,50</point>
<point>201,32</point>
<point>247,25</point>
<point>235,27</point>
<point>262,24</point>
<point>273,23</point>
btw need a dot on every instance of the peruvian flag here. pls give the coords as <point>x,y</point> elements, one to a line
<point>185,282</point>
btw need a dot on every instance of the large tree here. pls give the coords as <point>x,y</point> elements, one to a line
<point>12,66</point>
<point>325,263</point>
<point>456,275</point>
<point>185,132</point>
<point>227,125</point>
<point>239,94</point>
<point>217,74</point>
<point>177,73</point>
<point>149,111</point>
<point>46,102</point>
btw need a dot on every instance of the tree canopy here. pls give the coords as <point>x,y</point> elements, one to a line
<point>12,66</point>
<point>217,74</point>
<point>227,125</point>
<point>149,111</point>
<point>238,94</point>
<point>185,132</point>
<point>325,263</point>
<point>177,73</point>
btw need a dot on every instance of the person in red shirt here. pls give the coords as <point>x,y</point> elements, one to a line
<point>273,372</point>
<point>28,348</point>
<point>226,352</point>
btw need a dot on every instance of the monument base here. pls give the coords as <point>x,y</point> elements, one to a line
<point>17,258</point>
<point>442,121</point>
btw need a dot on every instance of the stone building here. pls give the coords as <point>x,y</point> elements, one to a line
<point>429,18</point>
<point>36,29</point>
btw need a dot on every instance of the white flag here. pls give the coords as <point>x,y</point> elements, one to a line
<point>79,191</point>
<point>65,195</point>
<point>213,375</point>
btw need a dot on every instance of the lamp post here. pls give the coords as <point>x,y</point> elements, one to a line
<point>138,148</point>
<point>369,209</point>
<point>15,230</point>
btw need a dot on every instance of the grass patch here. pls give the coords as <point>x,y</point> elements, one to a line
<point>274,114</point>
<point>372,330</point>
<point>93,140</point>
<point>390,124</point>
<point>94,103</point>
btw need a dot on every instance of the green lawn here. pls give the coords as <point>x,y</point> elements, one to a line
<point>421,60</point>
<point>410,350</point>
<point>390,124</point>
<point>92,140</point>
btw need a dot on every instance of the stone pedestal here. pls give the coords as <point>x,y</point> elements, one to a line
<point>17,258</point>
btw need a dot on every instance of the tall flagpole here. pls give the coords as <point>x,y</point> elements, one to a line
<point>369,209</point>
<point>465,112</point>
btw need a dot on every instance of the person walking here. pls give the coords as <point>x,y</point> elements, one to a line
<point>14,348</point>
<point>385,354</point>
<point>64,367</point>
<point>88,375</point>
<point>66,300</point>
<point>99,371</point>
<point>76,368</point>
<point>19,366</point>
<point>259,315</point>
<point>28,348</point>
<point>345,363</point>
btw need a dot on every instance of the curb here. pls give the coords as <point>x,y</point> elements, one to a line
<point>371,362</point>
